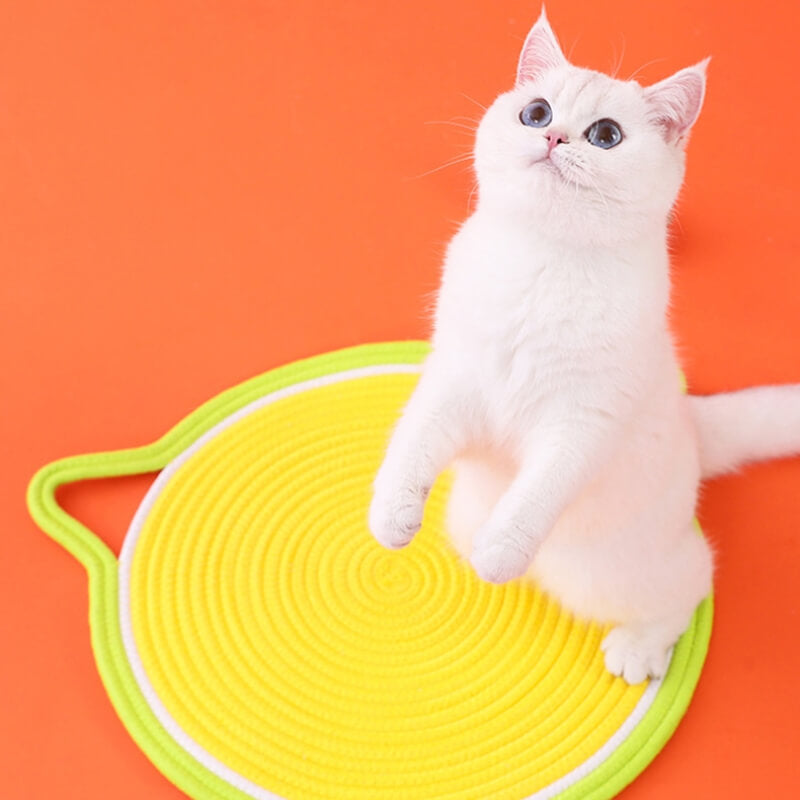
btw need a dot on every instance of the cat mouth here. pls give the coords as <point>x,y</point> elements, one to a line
<point>546,163</point>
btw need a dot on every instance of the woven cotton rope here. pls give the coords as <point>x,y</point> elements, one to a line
<point>287,655</point>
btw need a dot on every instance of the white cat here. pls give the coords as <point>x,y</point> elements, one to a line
<point>553,384</point>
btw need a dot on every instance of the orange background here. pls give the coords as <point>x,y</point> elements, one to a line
<point>192,193</point>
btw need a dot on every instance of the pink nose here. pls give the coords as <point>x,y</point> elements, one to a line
<point>553,138</point>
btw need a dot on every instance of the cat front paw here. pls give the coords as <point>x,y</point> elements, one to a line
<point>635,655</point>
<point>394,517</point>
<point>500,562</point>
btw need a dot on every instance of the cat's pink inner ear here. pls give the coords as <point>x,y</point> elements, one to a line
<point>540,51</point>
<point>675,102</point>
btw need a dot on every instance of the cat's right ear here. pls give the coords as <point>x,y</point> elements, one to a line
<point>674,103</point>
<point>540,51</point>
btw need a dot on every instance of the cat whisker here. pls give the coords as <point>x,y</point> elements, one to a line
<point>576,192</point>
<point>565,169</point>
<point>644,66</point>
<point>473,100</point>
<point>584,170</point>
<point>618,61</point>
<point>570,199</point>
<point>453,162</point>
<point>470,128</point>
<point>469,199</point>
<point>578,174</point>
<point>600,193</point>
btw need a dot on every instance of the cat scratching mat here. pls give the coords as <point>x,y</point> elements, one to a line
<point>258,643</point>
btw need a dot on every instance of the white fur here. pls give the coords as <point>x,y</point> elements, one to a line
<point>553,384</point>
<point>749,425</point>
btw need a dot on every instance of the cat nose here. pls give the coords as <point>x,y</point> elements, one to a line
<point>553,138</point>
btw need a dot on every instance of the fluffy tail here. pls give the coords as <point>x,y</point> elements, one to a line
<point>749,425</point>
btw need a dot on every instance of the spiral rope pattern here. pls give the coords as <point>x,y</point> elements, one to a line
<point>314,664</point>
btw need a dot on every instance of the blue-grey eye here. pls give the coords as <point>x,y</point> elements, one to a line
<point>604,133</point>
<point>537,114</point>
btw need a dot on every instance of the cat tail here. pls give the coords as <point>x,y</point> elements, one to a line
<point>754,424</point>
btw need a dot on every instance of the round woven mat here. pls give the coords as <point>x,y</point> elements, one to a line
<point>292,656</point>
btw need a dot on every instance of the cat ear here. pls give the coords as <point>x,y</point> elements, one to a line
<point>675,102</point>
<point>540,51</point>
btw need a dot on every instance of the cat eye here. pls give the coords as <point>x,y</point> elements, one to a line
<point>537,114</point>
<point>604,133</point>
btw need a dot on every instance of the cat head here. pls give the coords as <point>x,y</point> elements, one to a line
<point>586,155</point>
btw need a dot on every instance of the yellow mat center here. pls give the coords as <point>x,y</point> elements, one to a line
<point>297,652</point>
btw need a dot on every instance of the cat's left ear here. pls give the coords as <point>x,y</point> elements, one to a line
<point>675,103</point>
<point>540,51</point>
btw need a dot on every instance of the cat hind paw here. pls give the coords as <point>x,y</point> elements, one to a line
<point>635,655</point>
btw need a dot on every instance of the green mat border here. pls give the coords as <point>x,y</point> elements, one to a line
<point>627,761</point>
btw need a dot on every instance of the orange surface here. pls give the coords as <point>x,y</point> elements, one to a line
<point>194,192</point>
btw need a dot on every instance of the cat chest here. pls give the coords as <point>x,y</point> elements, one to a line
<point>540,356</point>
<point>544,328</point>
<point>534,369</point>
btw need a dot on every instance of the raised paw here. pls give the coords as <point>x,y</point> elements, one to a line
<point>636,654</point>
<point>394,517</point>
<point>500,562</point>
